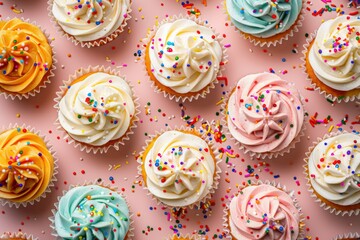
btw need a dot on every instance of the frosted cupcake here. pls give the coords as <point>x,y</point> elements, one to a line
<point>179,168</point>
<point>26,59</point>
<point>333,170</point>
<point>265,22</point>
<point>92,212</point>
<point>97,109</point>
<point>332,58</point>
<point>263,212</point>
<point>91,23</point>
<point>265,115</point>
<point>27,167</point>
<point>183,58</point>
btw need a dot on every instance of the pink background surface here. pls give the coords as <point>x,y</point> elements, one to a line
<point>244,58</point>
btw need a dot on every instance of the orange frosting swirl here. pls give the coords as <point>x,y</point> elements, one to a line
<point>25,56</point>
<point>26,165</point>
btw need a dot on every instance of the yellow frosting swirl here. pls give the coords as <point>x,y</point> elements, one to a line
<point>25,56</point>
<point>26,165</point>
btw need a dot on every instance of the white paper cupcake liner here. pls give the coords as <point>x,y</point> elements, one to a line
<point>20,235</point>
<point>338,99</point>
<point>130,234</point>
<point>49,75</point>
<point>187,237</point>
<point>85,147</point>
<point>89,44</point>
<point>210,86</point>
<point>51,184</point>
<point>226,227</point>
<point>347,236</point>
<point>294,29</point>
<point>215,185</point>
<point>308,183</point>
<point>267,155</point>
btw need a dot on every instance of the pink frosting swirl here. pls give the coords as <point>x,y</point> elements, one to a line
<point>265,113</point>
<point>263,212</point>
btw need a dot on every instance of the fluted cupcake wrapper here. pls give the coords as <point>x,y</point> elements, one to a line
<point>279,186</point>
<point>51,184</point>
<point>20,235</point>
<point>217,160</point>
<point>130,234</point>
<point>265,155</point>
<point>187,237</point>
<point>89,44</point>
<point>338,99</point>
<point>347,236</point>
<point>47,77</point>
<point>204,91</point>
<point>323,204</point>
<point>266,42</point>
<point>86,147</point>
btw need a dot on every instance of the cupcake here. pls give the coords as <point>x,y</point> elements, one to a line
<point>92,212</point>
<point>90,23</point>
<point>27,167</point>
<point>265,115</point>
<point>179,168</point>
<point>97,109</point>
<point>263,211</point>
<point>26,59</point>
<point>265,22</point>
<point>333,170</point>
<point>183,58</point>
<point>331,59</point>
<point>349,236</point>
<point>16,236</point>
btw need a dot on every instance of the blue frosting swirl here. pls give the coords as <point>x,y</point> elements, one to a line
<point>263,18</point>
<point>92,212</point>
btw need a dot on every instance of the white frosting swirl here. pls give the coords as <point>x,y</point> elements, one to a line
<point>335,54</point>
<point>334,169</point>
<point>89,20</point>
<point>179,168</point>
<point>97,109</point>
<point>185,56</point>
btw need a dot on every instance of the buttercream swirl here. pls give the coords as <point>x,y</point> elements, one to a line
<point>97,108</point>
<point>92,212</point>
<point>26,165</point>
<point>265,113</point>
<point>185,56</point>
<point>263,212</point>
<point>334,169</point>
<point>263,18</point>
<point>179,168</point>
<point>335,53</point>
<point>89,20</point>
<point>25,56</point>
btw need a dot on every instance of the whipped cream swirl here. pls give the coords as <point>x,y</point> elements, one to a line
<point>185,56</point>
<point>180,168</point>
<point>97,109</point>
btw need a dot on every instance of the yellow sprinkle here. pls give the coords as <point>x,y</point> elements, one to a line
<point>18,115</point>
<point>219,102</point>
<point>331,128</point>
<point>117,166</point>
<point>139,9</point>
<point>85,229</point>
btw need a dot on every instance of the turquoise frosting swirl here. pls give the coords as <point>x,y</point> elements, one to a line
<point>263,18</point>
<point>92,212</point>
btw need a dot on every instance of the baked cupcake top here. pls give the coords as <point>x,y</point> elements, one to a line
<point>97,108</point>
<point>265,113</point>
<point>263,212</point>
<point>179,168</point>
<point>263,18</point>
<point>26,165</point>
<point>334,55</point>
<point>25,56</point>
<point>15,236</point>
<point>92,19</point>
<point>334,169</point>
<point>92,212</point>
<point>185,56</point>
